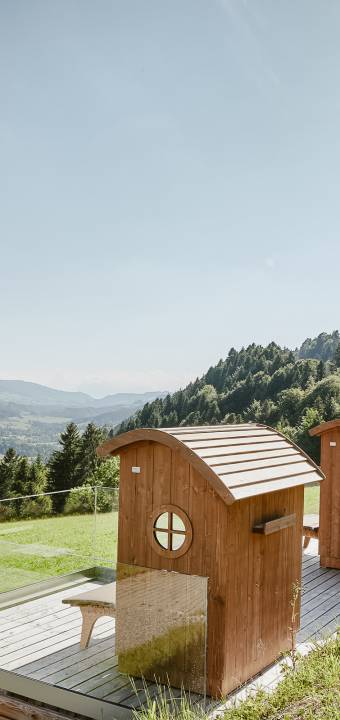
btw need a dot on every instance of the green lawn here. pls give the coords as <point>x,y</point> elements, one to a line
<point>312,499</point>
<point>33,550</point>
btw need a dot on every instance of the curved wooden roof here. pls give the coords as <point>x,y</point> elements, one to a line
<point>239,461</point>
<point>324,427</point>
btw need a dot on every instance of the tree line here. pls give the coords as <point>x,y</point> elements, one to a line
<point>74,467</point>
<point>269,385</point>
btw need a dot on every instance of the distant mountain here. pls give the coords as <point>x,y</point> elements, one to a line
<point>32,415</point>
<point>290,389</point>
<point>29,393</point>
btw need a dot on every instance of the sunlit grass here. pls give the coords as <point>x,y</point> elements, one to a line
<point>312,500</point>
<point>26,546</point>
<point>311,692</point>
<point>33,550</point>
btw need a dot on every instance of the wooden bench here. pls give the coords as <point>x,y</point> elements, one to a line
<point>93,605</point>
<point>310,529</point>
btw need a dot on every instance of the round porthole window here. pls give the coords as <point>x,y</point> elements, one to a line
<point>170,531</point>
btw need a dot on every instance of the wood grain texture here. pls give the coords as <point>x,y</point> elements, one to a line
<point>324,427</point>
<point>14,709</point>
<point>250,576</point>
<point>94,671</point>
<point>208,450</point>
<point>329,530</point>
<point>271,526</point>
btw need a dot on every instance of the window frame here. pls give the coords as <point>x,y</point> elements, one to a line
<point>172,510</point>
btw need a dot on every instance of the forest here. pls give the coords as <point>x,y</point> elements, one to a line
<point>286,389</point>
<point>74,467</point>
<point>289,390</point>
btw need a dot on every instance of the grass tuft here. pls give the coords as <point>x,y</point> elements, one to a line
<point>168,704</point>
<point>310,692</point>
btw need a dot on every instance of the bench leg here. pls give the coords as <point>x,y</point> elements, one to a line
<point>89,618</point>
<point>306,542</point>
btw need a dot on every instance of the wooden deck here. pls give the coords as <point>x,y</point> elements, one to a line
<point>39,639</point>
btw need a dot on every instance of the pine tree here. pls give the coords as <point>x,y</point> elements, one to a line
<point>89,461</point>
<point>37,482</point>
<point>336,358</point>
<point>22,476</point>
<point>8,472</point>
<point>65,470</point>
<point>321,371</point>
<point>41,504</point>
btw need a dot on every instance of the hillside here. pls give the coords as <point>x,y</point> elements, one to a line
<point>32,416</point>
<point>29,393</point>
<point>322,347</point>
<point>291,390</point>
<point>272,385</point>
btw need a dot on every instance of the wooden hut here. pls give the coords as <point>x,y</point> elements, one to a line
<point>329,530</point>
<point>233,495</point>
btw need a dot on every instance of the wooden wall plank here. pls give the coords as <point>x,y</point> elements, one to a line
<point>329,532</point>
<point>255,648</point>
<point>127,510</point>
<point>180,495</point>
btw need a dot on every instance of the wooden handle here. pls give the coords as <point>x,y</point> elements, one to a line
<point>266,528</point>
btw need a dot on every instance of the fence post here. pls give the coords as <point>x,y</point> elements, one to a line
<point>95,526</point>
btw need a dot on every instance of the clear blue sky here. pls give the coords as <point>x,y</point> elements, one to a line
<point>169,185</point>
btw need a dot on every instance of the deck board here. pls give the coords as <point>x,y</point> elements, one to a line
<point>67,659</point>
<point>40,639</point>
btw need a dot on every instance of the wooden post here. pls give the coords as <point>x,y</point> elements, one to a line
<point>329,532</point>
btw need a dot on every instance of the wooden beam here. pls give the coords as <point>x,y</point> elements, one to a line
<point>13,709</point>
<point>272,526</point>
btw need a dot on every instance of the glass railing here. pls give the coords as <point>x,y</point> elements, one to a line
<point>47,535</point>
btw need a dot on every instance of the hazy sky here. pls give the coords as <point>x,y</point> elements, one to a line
<point>169,185</point>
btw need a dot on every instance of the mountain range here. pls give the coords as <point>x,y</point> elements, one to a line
<point>285,388</point>
<point>29,393</point>
<point>33,415</point>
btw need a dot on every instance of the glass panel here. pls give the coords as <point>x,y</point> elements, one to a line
<point>161,625</point>
<point>46,535</point>
<point>163,539</point>
<point>177,523</point>
<point>106,527</point>
<point>162,521</point>
<point>177,541</point>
